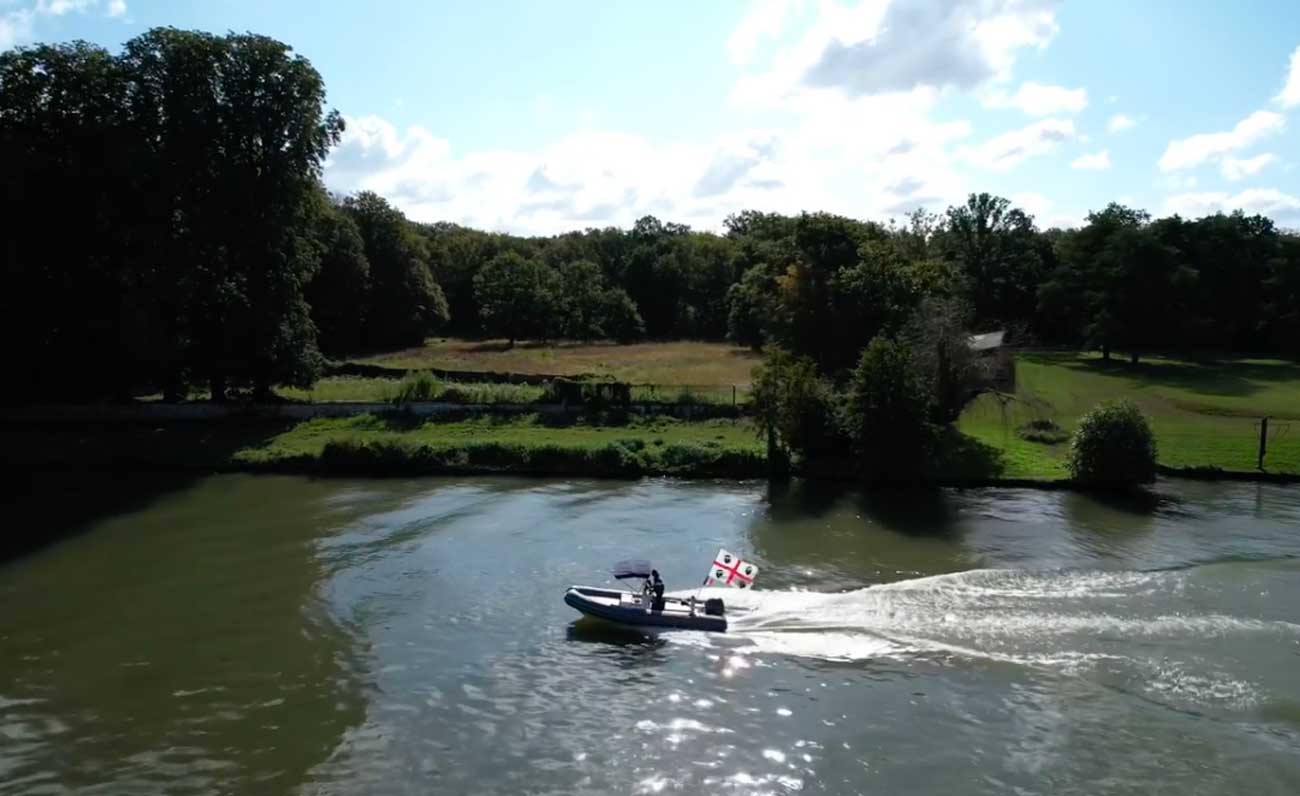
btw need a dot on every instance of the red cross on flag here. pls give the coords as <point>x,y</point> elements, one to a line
<point>729,570</point>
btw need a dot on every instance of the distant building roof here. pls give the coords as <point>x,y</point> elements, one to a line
<point>987,341</point>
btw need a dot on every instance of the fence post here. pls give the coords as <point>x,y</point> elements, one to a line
<point>1263,442</point>
<point>733,396</point>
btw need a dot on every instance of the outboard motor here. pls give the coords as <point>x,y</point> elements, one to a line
<point>713,606</point>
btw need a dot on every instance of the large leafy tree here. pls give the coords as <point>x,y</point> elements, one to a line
<point>72,297</point>
<point>405,303</point>
<point>887,412</point>
<point>517,297</point>
<point>233,134</point>
<point>1119,285</point>
<point>1000,254</point>
<point>338,291</point>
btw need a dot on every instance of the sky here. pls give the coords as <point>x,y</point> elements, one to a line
<point>541,117</point>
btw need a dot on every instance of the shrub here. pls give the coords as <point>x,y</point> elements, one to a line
<point>418,386</point>
<point>1113,447</point>
<point>1043,430</point>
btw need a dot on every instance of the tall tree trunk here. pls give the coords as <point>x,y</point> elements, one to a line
<point>1105,352</point>
<point>1133,357</point>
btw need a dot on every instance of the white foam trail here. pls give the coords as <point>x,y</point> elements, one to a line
<point>1066,621</point>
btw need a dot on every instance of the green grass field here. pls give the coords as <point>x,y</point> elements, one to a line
<point>1203,414</point>
<point>308,439</point>
<point>669,363</point>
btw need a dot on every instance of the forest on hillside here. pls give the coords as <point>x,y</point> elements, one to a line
<point>167,226</point>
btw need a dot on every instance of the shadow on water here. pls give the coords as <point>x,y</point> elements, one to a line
<point>45,507</point>
<point>628,648</point>
<point>196,628</point>
<point>913,512</point>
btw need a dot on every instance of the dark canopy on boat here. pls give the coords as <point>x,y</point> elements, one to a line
<point>634,568</point>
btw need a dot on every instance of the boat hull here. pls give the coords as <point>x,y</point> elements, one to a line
<point>624,608</point>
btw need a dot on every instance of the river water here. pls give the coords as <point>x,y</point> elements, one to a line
<point>267,634</point>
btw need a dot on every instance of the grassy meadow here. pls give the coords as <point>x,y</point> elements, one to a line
<point>669,363</point>
<point>1204,414</point>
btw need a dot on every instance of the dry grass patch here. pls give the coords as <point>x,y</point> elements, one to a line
<point>676,363</point>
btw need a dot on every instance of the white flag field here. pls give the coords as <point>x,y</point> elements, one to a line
<point>729,570</point>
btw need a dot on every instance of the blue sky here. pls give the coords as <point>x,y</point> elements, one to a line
<point>544,116</point>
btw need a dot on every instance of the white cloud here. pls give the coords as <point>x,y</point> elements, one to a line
<point>1044,211</point>
<point>599,177</point>
<point>18,26</point>
<point>1007,150</point>
<point>1120,121</point>
<point>1236,169</point>
<point>1264,201</point>
<point>1290,94</point>
<point>15,28</point>
<point>1197,149</point>
<point>879,47</point>
<point>1037,99</point>
<point>58,8</point>
<point>1095,161</point>
<point>763,22</point>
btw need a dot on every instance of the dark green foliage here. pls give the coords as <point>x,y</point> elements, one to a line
<point>188,165</point>
<point>621,458</point>
<point>336,293</point>
<point>795,407</point>
<point>1000,256</point>
<point>887,411</point>
<point>620,320</point>
<point>404,304</point>
<point>517,297</point>
<point>1113,447</point>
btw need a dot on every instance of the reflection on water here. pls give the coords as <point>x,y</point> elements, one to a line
<point>274,635</point>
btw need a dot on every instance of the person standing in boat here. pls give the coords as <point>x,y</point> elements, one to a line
<point>656,591</point>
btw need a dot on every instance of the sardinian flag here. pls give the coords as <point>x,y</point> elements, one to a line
<point>729,570</point>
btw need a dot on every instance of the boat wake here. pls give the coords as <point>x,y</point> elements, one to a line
<point>1063,621</point>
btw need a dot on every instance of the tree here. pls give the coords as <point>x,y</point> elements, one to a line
<point>750,307</point>
<point>1119,284</point>
<point>234,139</point>
<point>886,413</point>
<point>405,304</point>
<point>582,303</point>
<point>939,336</point>
<point>997,248</point>
<point>516,297</point>
<point>1113,447</point>
<point>76,295</point>
<point>619,317</point>
<point>1282,311</point>
<point>337,294</point>
<point>795,407</point>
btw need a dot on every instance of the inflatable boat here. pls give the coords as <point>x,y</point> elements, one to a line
<point>646,610</point>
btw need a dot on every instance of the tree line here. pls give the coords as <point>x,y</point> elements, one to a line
<point>167,226</point>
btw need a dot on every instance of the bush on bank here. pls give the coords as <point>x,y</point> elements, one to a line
<point>1113,447</point>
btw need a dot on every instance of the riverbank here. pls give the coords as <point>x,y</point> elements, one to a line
<point>1205,414</point>
<point>393,443</point>
<point>397,443</point>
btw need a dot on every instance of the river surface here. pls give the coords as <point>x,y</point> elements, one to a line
<point>268,634</point>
